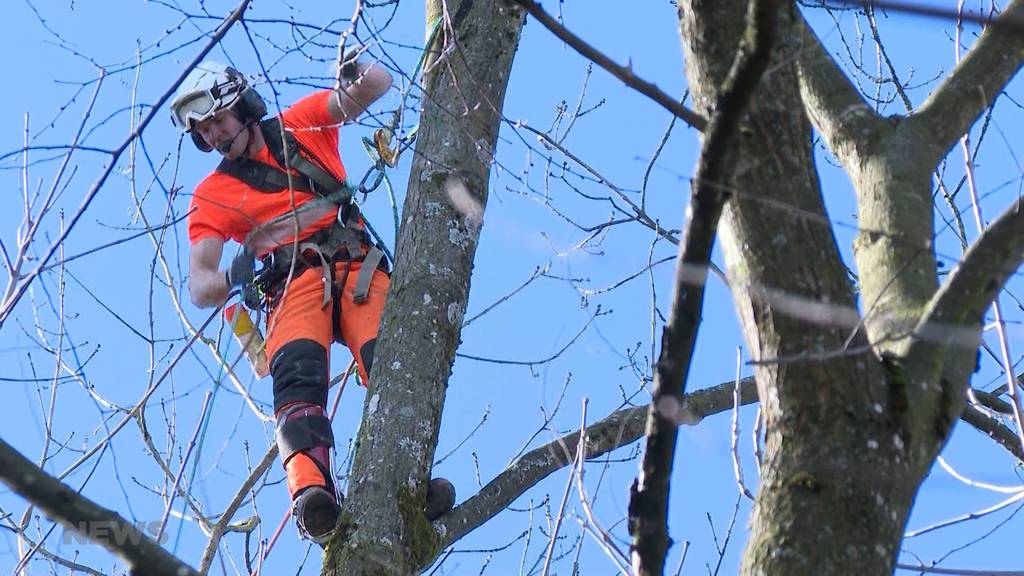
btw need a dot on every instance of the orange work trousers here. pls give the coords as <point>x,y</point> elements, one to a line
<point>301,315</point>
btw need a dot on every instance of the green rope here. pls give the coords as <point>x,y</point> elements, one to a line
<point>371,147</point>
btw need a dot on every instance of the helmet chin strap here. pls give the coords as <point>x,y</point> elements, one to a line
<point>225,147</point>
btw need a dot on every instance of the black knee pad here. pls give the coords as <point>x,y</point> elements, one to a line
<point>305,428</point>
<point>366,352</point>
<point>300,373</point>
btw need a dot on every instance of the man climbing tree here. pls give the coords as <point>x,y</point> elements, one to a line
<point>280,192</point>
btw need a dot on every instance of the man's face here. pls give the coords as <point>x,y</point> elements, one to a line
<point>224,128</point>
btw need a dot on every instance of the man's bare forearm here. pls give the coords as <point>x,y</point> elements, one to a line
<point>208,288</point>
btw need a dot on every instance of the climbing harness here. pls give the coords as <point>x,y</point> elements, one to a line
<point>343,241</point>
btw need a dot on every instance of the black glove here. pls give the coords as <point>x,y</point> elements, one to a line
<point>350,64</point>
<point>242,269</point>
<point>252,297</point>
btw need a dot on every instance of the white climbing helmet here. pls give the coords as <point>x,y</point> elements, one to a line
<point>209,88</point>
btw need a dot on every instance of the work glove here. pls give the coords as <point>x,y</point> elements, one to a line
<point>242,270</point>
<point>350,64</point>
<point>251,296</point>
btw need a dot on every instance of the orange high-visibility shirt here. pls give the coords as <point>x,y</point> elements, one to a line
<point>225,207</point>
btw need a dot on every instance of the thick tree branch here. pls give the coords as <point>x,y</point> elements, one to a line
<point>624,73</point>
<point>945,338</point>
<point>994,402</point>
<point>615,431</point>
<point>994,429</point>
<point>832,102</point>
<point>621,429</point>
<point>961,302</point>
<point>78,513</point>
<point>648,507</point>
<point>974,84</point>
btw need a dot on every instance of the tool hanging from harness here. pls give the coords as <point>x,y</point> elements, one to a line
<point>341,242</point>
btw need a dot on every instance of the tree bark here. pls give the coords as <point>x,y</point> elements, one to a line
<point>832,472</point>
<point>856,408</point>
<point>465,77</point>
<point>648,505</point>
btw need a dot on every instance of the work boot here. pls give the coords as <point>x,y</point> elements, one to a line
<point>305,440</point>
<point>440,498</point>
<point>316,512</point>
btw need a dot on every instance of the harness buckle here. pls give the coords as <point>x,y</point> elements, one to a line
<point>342,215</point>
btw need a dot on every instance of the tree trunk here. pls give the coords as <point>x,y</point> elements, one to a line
<point>465,80</point>
<point>837,485</point>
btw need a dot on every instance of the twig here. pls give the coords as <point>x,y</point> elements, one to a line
<point>218,530</point>
<point>141,403</point>
<point>1003,23</point>
<point>32,226</point>
<point>12,298</point>
<point>532,363</point>
<point>273,539</point>
<point>728,535</point>
<point>168,224</point>
<point>974,483</point>
<point>966,517</point>
<point>483,420</point>
<point>73,566</point>
<point>736,466</point>
<point>58,350</point>
<point>624,73</point>
<point>357,12</point>
<point>537,273</point>
<point>958,571</point>
<point>592,526</point>
<point>549,416</point>
<point>682,557</point>
<point>638,212</point>
<point>181,470</point>
<point>549,554</point>
<point>597,535</point>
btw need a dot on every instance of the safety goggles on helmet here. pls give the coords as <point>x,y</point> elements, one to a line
<point>209,92</point>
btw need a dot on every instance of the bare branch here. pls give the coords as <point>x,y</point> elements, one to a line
<point>983,271</point>
<point>648,506</point>
<point>974,84</point>
<point>74,566</point>
<point>614,431</point>
<point>78,513</point>
<point>223,524</point>
<point>994,429</point>
<point>1008,24</point>
<point>958,571</point>
<point>7,306</point>
<point>832,102</point>
<point>624,73</point>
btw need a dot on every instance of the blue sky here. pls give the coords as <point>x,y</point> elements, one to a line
<point>52,46</point>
